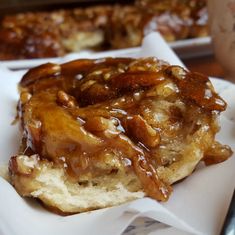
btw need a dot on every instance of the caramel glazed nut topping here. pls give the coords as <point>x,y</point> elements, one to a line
<point>142,110</point>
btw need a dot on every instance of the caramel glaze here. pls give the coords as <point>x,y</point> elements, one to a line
<point>82,109</point>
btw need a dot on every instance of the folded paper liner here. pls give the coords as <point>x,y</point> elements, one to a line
<point>197,205</point>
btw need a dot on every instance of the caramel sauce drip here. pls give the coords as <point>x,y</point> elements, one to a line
<point>83,109</point>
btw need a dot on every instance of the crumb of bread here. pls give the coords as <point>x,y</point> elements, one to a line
<point>40,179</point>
<point>4,172</point>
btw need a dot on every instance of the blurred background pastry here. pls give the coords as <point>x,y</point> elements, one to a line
<point>40,34</point>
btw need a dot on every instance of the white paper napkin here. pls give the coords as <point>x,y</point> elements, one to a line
<point>198,204</point>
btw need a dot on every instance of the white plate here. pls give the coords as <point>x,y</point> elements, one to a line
<point>183,48</point>
<point>194,47</point>
<point>29,63</point>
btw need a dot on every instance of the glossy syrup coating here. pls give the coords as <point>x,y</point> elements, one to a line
<point>79,113</point>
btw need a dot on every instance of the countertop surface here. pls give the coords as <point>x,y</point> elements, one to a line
<point>207,65</point>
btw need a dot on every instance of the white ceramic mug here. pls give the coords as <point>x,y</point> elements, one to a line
<point>222,29</point>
